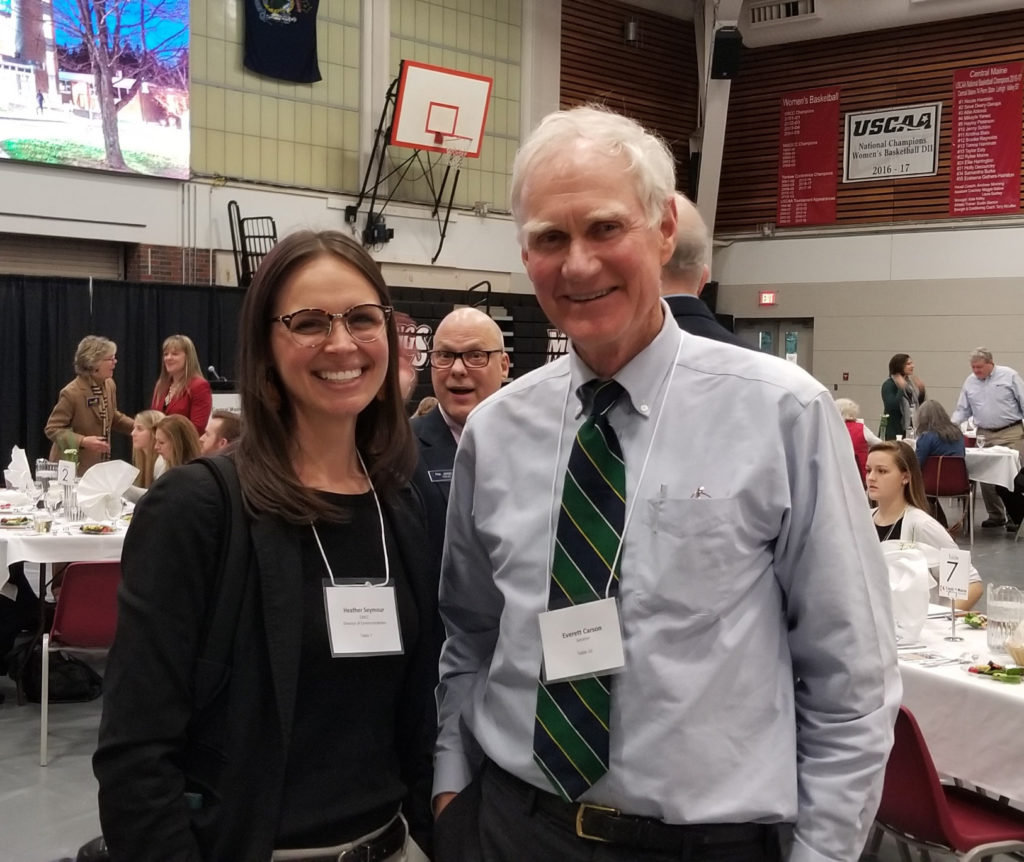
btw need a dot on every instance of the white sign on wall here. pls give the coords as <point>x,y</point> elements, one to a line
<point>892,143</point>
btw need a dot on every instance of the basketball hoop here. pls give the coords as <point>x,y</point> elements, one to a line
<point>455,148</point>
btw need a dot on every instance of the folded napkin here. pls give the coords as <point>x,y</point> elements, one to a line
<point>18,473</point>
<point>14,498</point>
<point>100,489</point>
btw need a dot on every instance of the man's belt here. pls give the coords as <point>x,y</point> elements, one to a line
<point>385,845</point>
<point>1004,428</point>
<point>609,825</point>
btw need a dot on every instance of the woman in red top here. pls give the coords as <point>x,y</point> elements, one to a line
<point>181,388</point>
<point>861,436</point>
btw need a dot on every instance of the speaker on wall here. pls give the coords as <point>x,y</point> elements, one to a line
<point>725,58</point>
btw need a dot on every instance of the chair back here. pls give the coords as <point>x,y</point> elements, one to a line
<point>86,612</point>
<point>912,798</point>
<point>946,476</point>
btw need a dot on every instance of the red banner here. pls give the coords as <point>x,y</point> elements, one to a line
<point>808,142</point>
<point>984,165</point>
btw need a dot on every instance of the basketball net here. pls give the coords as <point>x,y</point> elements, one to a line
<point>455,149</point>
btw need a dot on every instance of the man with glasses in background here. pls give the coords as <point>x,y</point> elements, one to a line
<point>468,363</point>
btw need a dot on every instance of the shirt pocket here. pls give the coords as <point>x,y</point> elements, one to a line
<point>693,554</point>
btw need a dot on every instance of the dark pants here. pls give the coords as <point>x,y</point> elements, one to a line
<point>16,616</point>
<point>1014,502</point>
<point>509,828</point>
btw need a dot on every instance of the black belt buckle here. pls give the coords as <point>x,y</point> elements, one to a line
<point>581,811</point>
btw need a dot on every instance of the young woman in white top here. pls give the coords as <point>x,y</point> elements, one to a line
<point>894,482</point>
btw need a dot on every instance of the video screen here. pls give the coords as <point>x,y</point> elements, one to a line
<point>101,85</point>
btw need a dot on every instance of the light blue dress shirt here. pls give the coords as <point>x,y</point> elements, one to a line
<point>995,402</point>
<point>760,681</point>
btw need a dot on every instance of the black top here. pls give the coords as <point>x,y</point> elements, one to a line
<point>889,531</point>
<point>346,779</point>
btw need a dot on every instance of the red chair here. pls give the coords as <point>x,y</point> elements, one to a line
<point>85,619</point>
<point>946,476</point>
<point>922,813</point>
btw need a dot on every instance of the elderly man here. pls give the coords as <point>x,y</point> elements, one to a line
<point>672,649</point>
<point>994,396</point>
<point>223,429</point>
<point>467,364</point>
<point>684,276</point>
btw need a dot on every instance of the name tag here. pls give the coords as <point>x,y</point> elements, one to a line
<point>581,640</point>
<point>440,475</point>
<point>93,401</point>
<point>362,621</point>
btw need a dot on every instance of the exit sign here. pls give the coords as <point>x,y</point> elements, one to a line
<point>766,297</point>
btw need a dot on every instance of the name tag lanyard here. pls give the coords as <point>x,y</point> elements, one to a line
<point>607,609</point>
<point>362,617</point>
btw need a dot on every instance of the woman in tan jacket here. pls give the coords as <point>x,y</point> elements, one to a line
<point>86,410</point>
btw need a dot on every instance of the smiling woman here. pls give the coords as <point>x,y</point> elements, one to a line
<point>322,462</point>
<point>181,387</point>
<point>86,410</point>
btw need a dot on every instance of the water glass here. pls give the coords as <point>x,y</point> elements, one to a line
<point>1005,610</point>
<point>53,499</point>
<point>43,521</point>
<point>34,491</point>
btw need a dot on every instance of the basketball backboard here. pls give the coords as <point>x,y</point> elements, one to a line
<point>440,109</point>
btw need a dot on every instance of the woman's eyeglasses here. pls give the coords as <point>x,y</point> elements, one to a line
<point>311,327</point>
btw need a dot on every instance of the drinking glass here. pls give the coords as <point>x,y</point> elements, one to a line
<point>34,491</point>
<point>53,499</point>
<point>979,441</point>
<point>1004,607</point>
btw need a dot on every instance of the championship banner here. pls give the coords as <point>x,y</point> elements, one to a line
<point>984,164</point>
<point>892,143</point>
<point>808,138</point>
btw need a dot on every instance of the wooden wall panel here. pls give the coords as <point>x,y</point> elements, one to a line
<point>883,69</point>
<point>654,81</point>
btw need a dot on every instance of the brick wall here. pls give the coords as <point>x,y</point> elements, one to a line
<point>169,264</point>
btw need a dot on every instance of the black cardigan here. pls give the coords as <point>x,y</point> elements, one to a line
<point>155,757</point>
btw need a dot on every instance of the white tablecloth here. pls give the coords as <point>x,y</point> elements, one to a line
<point>974,727</point>
<point>27,545</point>
<point>996,466</point>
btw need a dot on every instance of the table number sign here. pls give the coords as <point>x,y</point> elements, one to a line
<point>66,472</point>
<point>954,573</point>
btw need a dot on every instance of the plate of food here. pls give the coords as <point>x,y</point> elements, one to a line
<point>14,522</point>
<point>998,673</point>
<point>97,529</point>
<point>975,621</point>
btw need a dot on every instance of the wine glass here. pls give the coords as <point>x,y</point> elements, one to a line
<point>980,441</point>
<point>53,499</point>
<point>34,491</point>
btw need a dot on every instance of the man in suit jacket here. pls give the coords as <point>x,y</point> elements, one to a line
<point>462,341</point>
<point>686,273</point>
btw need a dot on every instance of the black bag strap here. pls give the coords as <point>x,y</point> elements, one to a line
<point>232,574</point>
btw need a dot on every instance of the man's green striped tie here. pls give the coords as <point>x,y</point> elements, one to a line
<point>570,738</point>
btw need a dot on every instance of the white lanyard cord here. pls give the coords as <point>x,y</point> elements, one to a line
<point>383,541</point>
<point>640,478</point>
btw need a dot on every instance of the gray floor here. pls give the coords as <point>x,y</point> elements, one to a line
<point>46,813</point>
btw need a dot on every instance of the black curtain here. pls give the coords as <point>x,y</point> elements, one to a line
<point>140,316</point>
<point>43,319</point>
